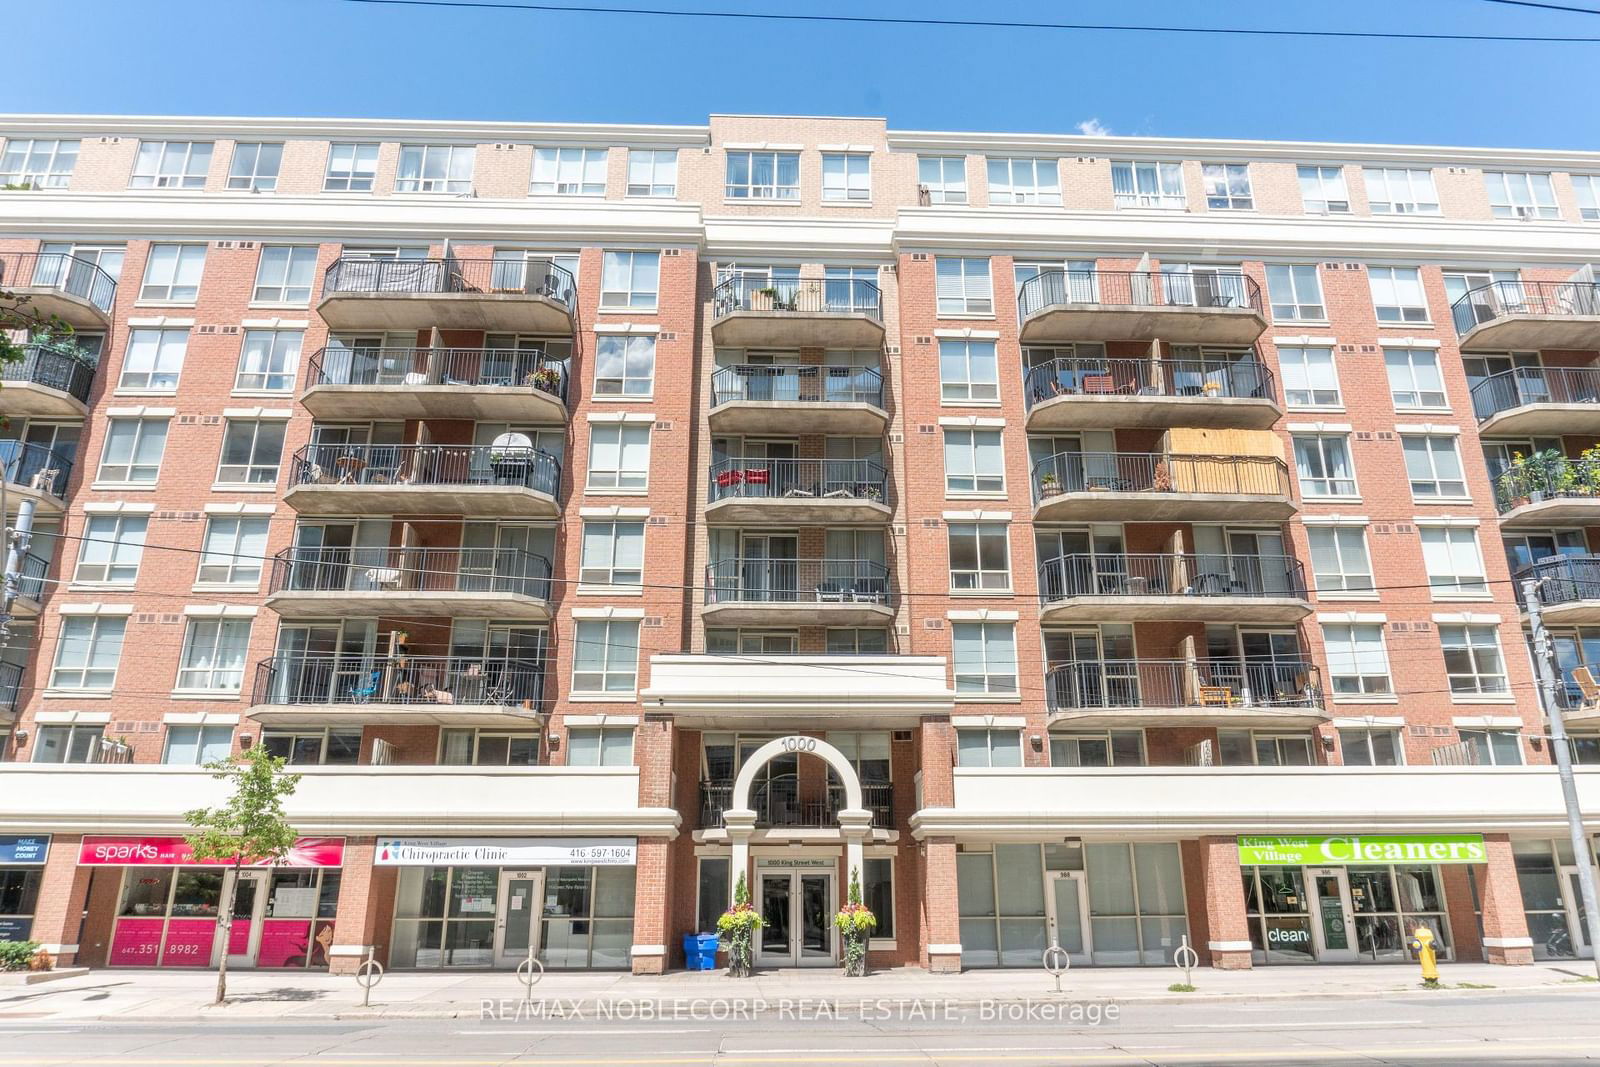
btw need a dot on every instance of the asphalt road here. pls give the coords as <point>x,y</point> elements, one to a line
<point>1428,1028</point>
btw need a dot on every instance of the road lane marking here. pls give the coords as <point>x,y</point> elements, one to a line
<point>1358,1025</point>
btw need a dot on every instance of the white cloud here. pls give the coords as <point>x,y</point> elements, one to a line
<point>1093,128</point>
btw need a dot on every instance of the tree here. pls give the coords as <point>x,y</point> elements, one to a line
<point>250,829</point>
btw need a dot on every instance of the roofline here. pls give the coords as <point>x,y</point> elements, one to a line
<point>360,128</point>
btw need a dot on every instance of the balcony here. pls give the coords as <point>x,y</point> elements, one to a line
<point>1205,692</point>
<point>38,473</point>
<point>1172,587</point>
<point>781,803</point>
<point>798,399</point>
<point>330,688</point>
<point>798,592</point>
<point>520,296</point>
<point>1106,394</point>
<point>74,290</point>
<point>1529,315</point>
<point>1569,588</point>
<point>468,480</point>
<point>1179,307</point>
<point>31,586</point>
<point>47,384</point>
<point>487,384</point>
<point>757,312</point>
<point>1539,402</point>
<point>808,492</point>
<point>1141,487</point>
<point>10,690</point>
<point>504,583</point>
<point>1548,489</point>
<point>798,692</point>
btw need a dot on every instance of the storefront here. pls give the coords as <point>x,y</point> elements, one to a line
<point>21,867</point>
<point>168,904</point>
<point>1552,901</point>
<point>488,902</point>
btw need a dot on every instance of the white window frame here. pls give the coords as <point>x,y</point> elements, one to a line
<point>1587,189</point>
<point>152,360</point>
<point>1152,184</point>
<point>39,162</point>
<point>991,576</point>
<point>1295,292</point>
<point>622,478</point>
<point>976,288</point>
<point>1220,187</point>
<point>242,564</point>
<point>610,538</point>
<point>1434,446</point>
<point>245,170</point>
<point>207,739</point>
<point>418,157</point>
<point>631,352</point>
<point>141,428</point>
<point>569,171</point>
<point>173,277</point>
<point>1343,647</point>
<point>1515,194</point>
<point>275,357</point>
<point>605,753</point>
<point>1401,190</point>
<point>992,679</point>
<point>1328,183</point>
<point>153,166</point>
<point>589,634</point>
<point>253,471</point>
<point>94,732</point>
<point>979,381</point>
<point>631,268</point>
<point>1459,549</point>
<point>855,632</point>
<point>653,172</point>
<point>1486,746</point>
<point>111,543</point>
<point>205,640</point>
<point>95,629</point>
<point>983,482</point>
<point>1349,581</point>
<point>1359,738</point>
<point>1308,380</point>
<point>990,735</point>
<point>1469,639</point>
<point>847,177</point>
<point>285,274</point>
<point>943,190</point>
<point>352,167</point>
<point>1325,480</point>
<point>1387,284</point>
<point>1031,180</point>
<point>1406,376</point>
<point>751,189</point>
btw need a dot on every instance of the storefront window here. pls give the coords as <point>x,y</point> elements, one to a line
<point>1540,881</point>
<point>297,927</point>
<point>588,917</point>
<point>1388,903</point>
<point>168,917</point>
<point>877,893</point>
<point>198,893</point>
<point>713,899</point>
<point>1280,921</point>
<point>19,893</point>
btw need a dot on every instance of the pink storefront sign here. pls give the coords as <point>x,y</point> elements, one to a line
<point>285,943</point>
<point>239,937</point>
<point>175,852</point>
<point>136,943</point>
<point>189,942</point>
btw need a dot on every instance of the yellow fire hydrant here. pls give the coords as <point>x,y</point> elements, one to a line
<point>1422,945</point>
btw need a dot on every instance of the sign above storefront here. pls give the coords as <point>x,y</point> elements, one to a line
<point>826,863</point>
<point>506,851</point>
<point>175,852</point>
<point>1355,849</point>
<point>24,850</point>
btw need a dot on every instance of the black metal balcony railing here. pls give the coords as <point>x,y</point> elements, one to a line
<point>1565,579</point>
<point>1499,300</point>
<point>493,368</point>
<point>1546,476</point>
<point>530,277</point>
<point>778,802</point>
<point>35,467</point>
<point>1205,379</point>
<point>1535,385</point>
<point>30,577</point>
<point>798,479</point>
<point>798,581</point>
<point>1050,288</point>
<point>1138,472</point>
<point>400,570</point>
<point>53,369</point>
<point>424,465</point>
<point>813,296</point>
<point>1177,683</point>
<point>331,678</point>
<point>10,687</point>
<point>797,385</point>
<point>58,270</point>
<point>1170,574</point>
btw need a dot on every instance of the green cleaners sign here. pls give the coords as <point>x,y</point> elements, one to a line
<point>1359,849</point>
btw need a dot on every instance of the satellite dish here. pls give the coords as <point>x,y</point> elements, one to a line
<point>511,442</point>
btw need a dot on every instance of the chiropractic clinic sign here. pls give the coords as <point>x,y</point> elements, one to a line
<point>1359,849</point>
<point>505,852</point>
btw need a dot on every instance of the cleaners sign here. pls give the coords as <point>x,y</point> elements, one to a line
<point>1360,849</point>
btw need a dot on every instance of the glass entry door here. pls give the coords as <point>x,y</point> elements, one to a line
<point>1333,918</point>
<point>798,909</point>
<point>249,906</point>
<point>516,930</point>
<point>1068,907</point>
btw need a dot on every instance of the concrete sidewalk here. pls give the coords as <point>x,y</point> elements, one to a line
<point>149,996</point>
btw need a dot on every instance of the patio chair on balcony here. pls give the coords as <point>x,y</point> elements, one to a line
<point>363,694</point>
<point>1588,687</point>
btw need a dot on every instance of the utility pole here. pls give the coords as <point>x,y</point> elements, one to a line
<point>14,542</point>
<point>1582,850</point>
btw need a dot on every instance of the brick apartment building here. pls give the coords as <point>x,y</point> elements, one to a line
<point>1106,540</point>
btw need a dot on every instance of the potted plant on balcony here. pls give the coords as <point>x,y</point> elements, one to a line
<point>1212,388</point>
<point>855,923</point>
<point>1049,484</point>
<point>546,378</point>
<point>738,926</point>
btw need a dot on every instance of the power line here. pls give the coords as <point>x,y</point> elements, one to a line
<point>1545,7</point>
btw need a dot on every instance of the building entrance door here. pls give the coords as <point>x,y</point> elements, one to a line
<point>1068,907</point>
<point>798,908</point>
<point>516,927</point>
<point>249,907</point>
<point>1333,917</point>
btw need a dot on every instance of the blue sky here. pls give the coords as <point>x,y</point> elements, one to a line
<point>330,58</point>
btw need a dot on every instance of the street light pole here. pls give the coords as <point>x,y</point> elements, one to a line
<point>1583,851</point>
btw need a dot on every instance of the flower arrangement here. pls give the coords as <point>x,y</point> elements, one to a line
<point>738,926</point>
<point>1049,483</point>
<point>855,922</point>
<point>547,378</point>
<point>1212,388</point>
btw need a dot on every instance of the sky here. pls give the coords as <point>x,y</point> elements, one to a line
<point>343,59</point>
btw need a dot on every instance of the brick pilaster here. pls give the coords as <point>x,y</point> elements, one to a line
<point>1505,926</point>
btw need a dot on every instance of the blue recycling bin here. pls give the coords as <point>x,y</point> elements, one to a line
<point>700,952</point>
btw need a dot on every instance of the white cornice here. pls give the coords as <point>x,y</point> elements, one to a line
<point>732,237</point>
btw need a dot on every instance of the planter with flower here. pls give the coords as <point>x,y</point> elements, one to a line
<point>738,926</point>
<point>1212,389</point>
<point>855,923</point>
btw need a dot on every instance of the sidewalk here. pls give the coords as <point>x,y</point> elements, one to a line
<point>134,996</point>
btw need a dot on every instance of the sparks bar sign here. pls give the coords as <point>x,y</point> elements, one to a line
<point>175,852</point>
<point>1363,848</point>
<point>505,851</point>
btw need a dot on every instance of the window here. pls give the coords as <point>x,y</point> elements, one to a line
<point>196,745</point>
<point>112,548</point>
<point>254,166</point>
<point>87,652</point>
<point>619,456</point>
<point>600,746</point>
<point>606,659</point>
<point>1472,659</point>
<point>1515,195</point>
<point>877,893</point>
<point>351,168</point>
<point>172,274</point>
<point>285,273</point>
<point>1309,377</point>
<point>712,899</point>
<point>1158,185</point>
<point>763,176</point>
<point>976,747</point>
<point>1024,181</point>
<point>569,172</point>
<point>985,657</point>
<point>846,176</point>
<point>1434,466</point>
<point>652,172</point>
<point>1097,748</point>
<point>613,553</point>
<point>1414,378</point>
<point>964,286</point>
<point>624,366</point>
<point>213,654</point>
<point>268,361</point>
<point>1227,186</point>
<point>1323,192</point>
<point>630,279</point>
<point>1370,748</point>
<point>1339,559</point>
<point>232,551</point>
<point>1587,186</point>
<point>1323,463</point>
<point>866,641</point>
<point>980,555</point>
<point>1357,659</point>
<point>484,748</point>
<point>973,462</point>
<point>968,371</point>
<point>1397,294</point>
<point>171,165</point>
<point>1398,191</point>
<point>435,168</point>
<point>1455,566</point>
<point>68,744</point>
<point>1246,748</point>
<point>1494,748</point>
<point>1296,291</point>
<point>251,452</point>
<point>330,745</point>
<point>38,163</point>
<point>153,360</point>
<point>132,452</point>
<point>944,178</point>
